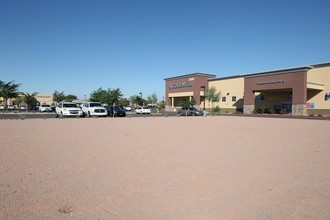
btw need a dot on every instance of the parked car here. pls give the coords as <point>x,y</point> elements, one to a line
<point>154,109</point>
<point>191,111</point>
<point>142,110</point>
<point>23,108</point>
<point>10,107</point>
<point>45,108</point>
<point>128,108</point>
<point>68,109</point>
<point>94,109</point>
<point>115,111</point>
<point>1,107</point>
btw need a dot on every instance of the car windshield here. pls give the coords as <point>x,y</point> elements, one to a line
<point>45,105</point>
<point>70,105</point>
<point>95,104</point>
<point>192,108</point>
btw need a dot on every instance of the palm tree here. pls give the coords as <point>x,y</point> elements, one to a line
<point>58,96</point>
<point>1,83</point>
<point>7,91</point>
<point>212,95</point>
<point>29,99</point>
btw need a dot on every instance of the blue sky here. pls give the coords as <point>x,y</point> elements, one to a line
<point>78,46</point>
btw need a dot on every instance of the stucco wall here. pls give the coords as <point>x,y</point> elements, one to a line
<point>320,76</point>
<point>228,88</point>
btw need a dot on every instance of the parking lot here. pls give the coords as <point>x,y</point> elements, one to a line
<point>44,115</point>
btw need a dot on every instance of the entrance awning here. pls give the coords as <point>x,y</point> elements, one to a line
<point>180,94</point>
<point>315,86</point>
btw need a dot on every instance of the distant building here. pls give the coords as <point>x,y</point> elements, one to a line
<point>45,98</point>
<point>41,99</point>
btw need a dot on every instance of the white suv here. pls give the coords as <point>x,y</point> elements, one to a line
<point>94,109</point>
<point>68,109</point>
<point>45,108</point>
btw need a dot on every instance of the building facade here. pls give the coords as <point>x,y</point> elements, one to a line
<point>45,99</point>
<point>41,99</point>
<point>298,91</point>
<point>185,87</point>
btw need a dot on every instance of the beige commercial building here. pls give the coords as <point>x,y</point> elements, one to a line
<point>45,98</point>
<point>41,99</point>
<point>298,91</point>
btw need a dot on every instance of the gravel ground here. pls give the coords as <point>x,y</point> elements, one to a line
<point>165,168</point>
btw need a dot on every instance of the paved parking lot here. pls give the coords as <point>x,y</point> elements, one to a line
<point>42,115</point>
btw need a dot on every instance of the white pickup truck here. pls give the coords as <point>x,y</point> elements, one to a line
<point>94,109</point>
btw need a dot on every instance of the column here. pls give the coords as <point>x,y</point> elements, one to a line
<point>248,102</point>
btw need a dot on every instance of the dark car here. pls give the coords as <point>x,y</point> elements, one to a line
<point>115,111</point>
<point>191,111</point>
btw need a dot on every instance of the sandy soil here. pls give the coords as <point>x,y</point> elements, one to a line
<point>165,168</point>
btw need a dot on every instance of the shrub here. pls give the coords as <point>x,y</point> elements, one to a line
<point>272,111</point>
<point>238,112</point>
<point>216,110</point>
<point>282,111</point>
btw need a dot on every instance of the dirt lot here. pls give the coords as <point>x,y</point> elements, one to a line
<point>165,168</point>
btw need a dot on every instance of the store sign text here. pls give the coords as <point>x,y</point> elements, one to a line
<point>180,85</point>
<point>270,82</point>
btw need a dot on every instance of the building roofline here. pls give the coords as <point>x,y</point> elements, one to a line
<point>225,77</point>
<point>279,71</point>
<point>318,65</point>
<point>191,75</point>
<point>274,72</point>
<point>265,73</point>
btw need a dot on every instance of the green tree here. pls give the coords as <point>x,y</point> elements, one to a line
<point>70,98</point>
<point>108,96</point>
<point>18,100</point>
<point>161,104</point>
<point>152,99</point>
<point>211,95</point>
<point>8,91</point>
<point>185,104</point>
<point>29,99</point>
<point>135,99</point>
<point>116,95</point>
<point>123,102</point>
<point>58,96</point>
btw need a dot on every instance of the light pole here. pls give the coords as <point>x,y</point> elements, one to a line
<point>141,97</point>
<point>203,87</point>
